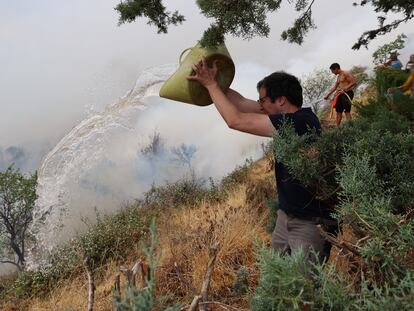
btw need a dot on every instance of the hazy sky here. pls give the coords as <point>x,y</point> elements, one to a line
<point>60,59</point>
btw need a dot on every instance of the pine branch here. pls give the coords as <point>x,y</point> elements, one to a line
<point>369,35</point>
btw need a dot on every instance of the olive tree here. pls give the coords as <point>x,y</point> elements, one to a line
<point>381,54</point>
<point>17,200</point>
<point>315,86</point>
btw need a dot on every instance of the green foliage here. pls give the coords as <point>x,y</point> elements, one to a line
<point>237,176</point>
<point>381,54</point>
<point>247,18</point>
<point>244,19</point>
<point>365,169</point>
<point>110,239</point>
<point>398,296</point>
<point>405,8</point>
<point>301,25</point>
<point>316,85</point>
<point>388,77</point>
<point>390,155</point>
<point>402,105</point>
<point>191,190</point>
<point>17,200</point>
<point>360,74</point>
<point>241,285</point>
<point>154,10</point>
<point>382,134</point>
<point>188,190</point>
<point>272,204</point>
<point>286,285</point>
<point>283,285</point>
<point>111,236</point>
<point>144,299</point>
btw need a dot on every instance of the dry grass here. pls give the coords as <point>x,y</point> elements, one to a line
<point>344,261</point>
<point>186,236</point>
<point>74,295</point>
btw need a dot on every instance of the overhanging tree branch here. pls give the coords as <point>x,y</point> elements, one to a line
<point>369,35</point>
<point>301,26</point>
<point>154,10</point>
<point>247,18</point>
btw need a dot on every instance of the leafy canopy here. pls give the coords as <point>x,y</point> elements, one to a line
<point>381,54</point>
<point>247,18</point>
<point>17,200</point>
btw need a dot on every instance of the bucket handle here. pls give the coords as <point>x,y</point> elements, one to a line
<point>180,60</point>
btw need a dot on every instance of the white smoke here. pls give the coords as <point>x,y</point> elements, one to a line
<point>99,165</point>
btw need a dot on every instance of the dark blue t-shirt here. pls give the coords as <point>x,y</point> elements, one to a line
<point>294,198</point>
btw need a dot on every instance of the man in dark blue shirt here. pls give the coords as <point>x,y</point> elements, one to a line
<point>280,100</point>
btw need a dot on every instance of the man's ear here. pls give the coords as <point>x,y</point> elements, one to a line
<point>283,100</point>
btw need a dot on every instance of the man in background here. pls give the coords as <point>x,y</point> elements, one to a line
<point>343,90</point>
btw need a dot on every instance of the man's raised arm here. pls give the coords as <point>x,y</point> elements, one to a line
<point>243,104</point>
<point>248,122</point>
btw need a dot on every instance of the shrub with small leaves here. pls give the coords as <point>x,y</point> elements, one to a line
<point>241,285</point>
<point>144,299</point>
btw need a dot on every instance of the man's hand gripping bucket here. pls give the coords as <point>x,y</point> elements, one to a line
<point>178,88</point>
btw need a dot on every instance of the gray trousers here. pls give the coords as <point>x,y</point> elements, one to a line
<point>292,233</point>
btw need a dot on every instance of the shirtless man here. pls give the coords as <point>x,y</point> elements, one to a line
<point>344,84</point>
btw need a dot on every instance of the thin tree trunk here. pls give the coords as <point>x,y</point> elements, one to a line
<point>207,277</point>
<point>91,285</point>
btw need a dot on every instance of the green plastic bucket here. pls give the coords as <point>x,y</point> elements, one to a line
<point>178,88</point>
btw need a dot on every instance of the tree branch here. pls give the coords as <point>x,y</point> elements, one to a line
<point>207,278</point>
<point>91,285</point>
<point>12,263</point>
<point>338,243</point>
<point>369,35</point>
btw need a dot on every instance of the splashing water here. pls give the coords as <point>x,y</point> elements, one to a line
<point>98,166</point>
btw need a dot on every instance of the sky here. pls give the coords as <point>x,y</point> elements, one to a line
<point>60,60</point>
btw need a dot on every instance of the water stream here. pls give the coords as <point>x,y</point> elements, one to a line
<point>98,166</point>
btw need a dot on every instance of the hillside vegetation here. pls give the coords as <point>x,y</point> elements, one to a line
<point>363,169</point>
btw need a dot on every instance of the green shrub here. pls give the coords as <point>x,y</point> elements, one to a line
<point>388,77</point>
<point>110,239</point>
<point>237,176</point>
<point>188,190</point>
<point>272,204</point>
<point>365,168</point>
<point>288,283</point>
<point>241,285</point>
<point>144,299</point>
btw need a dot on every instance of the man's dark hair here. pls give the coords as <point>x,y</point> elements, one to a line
<point>335,66</point>
<point>282,84</point>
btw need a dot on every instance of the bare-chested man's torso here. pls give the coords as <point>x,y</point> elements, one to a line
<point>345,79</point>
